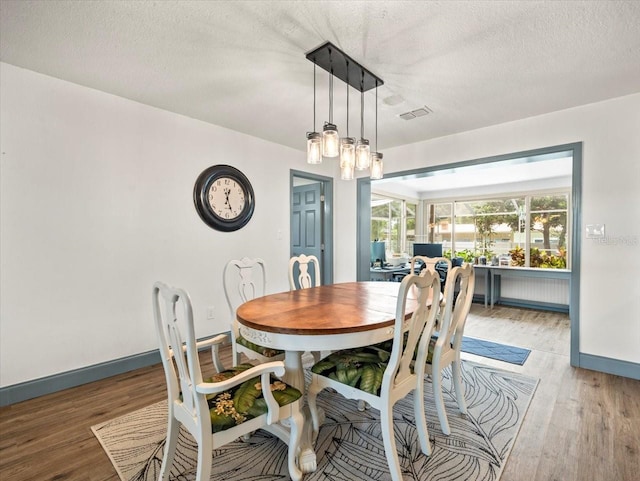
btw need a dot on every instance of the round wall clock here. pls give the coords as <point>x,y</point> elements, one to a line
<point>224,198</point>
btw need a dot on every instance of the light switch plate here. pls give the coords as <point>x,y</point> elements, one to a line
<point>595,231</point>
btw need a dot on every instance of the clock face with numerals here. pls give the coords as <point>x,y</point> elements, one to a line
<point>224,198</point>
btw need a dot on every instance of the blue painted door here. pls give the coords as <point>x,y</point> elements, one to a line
<point>307,222</point>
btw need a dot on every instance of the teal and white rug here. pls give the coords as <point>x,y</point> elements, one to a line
<point>349,444</point>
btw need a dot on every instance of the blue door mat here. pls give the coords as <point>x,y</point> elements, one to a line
<point>493,350</point>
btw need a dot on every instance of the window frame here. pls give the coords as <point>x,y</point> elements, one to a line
<point>430,206</point>
<point>404,247</point>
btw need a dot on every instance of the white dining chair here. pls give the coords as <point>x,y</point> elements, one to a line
<point>302,279</point>
<point>226,407</point>
<point>441,265</point>
<point>444,346</point>
<point>243,280</point>
<point>380,378</point>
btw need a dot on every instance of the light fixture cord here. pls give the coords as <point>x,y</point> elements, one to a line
<point>314,95</point>
<point>330,89</point>
<point>331,97</point>
<point>376,115</point>
<point>362,105</point>
<point>347,98</point>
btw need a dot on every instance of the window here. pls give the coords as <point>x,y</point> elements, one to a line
<point>440,223</point>
<point>394,222</point>
<point>548,231</point>
<point>410,223</point>
<point>527,230</point>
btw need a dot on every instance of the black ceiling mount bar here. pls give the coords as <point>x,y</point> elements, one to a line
<point>334,60</point>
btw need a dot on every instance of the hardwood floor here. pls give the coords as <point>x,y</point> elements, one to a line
<point>581,425</point>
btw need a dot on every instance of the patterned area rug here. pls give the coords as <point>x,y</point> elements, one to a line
<point>349,444</point>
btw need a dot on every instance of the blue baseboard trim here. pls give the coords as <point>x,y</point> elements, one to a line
<point>545,306</point>
<point>77,377</point>
<point>610,366</point>
<point>478,298</point>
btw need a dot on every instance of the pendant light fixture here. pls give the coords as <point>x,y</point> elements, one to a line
<point>330,138</point>
<point>352,155</point>
<point>363,151</point>
<point>347,146</point>
<point>314,139</point>
<point>376,166</point>
<point>376,157</point>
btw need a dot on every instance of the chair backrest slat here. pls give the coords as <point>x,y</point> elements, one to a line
<point>430,263</point>
<point>424,288</point>
<point>174,326</point>
<point>462,304</point>
<point>304,279</point>
<point>457,306</point>
<point>249,278</point>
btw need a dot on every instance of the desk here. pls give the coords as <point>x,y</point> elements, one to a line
<point>493,277</point>
<point>486,272</point>
<point>496,273</point>
<point>324,318</point>
<point>388,273</point>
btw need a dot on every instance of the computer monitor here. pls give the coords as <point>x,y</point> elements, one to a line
<point>427,250</point>
<point>378,250</point>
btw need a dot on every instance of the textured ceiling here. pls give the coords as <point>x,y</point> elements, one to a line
<point>241,65</point>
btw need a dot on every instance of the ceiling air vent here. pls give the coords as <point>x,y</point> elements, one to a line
<point>421,112</point>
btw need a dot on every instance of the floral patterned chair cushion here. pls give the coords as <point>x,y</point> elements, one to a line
<point>265,351</point>
<point>244,401</point>
<point>362,367</point>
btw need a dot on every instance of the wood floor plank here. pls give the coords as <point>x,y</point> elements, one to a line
<point>527,451</point>
<point>580,426</point>
<point>50,438</point>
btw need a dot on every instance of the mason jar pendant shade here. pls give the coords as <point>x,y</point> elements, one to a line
<point>347,172</point>
<point>314,148</point>
<point>376,165</point>
<point>347,157</point>
<point>330,140</point>
<point>363,154</point>
<point>347,151</point>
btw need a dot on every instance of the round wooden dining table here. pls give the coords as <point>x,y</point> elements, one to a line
<point>323,318</point>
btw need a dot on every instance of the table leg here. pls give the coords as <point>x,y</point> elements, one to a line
<point>487,287</point>
<point>294,375</point>
<point>493,286</point>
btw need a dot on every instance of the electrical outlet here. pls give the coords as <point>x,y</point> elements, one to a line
<point>211,312</point>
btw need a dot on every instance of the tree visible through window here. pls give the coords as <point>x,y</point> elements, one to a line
<point>526,231</point>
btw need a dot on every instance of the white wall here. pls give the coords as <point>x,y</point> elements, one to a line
<point>96,199</point>
<point>610,131</point>
<point>96,204</point>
